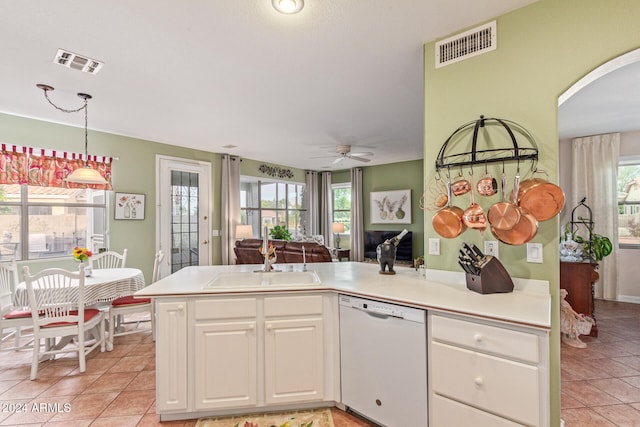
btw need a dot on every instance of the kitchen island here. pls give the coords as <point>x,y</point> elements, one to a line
<point>231,341</point>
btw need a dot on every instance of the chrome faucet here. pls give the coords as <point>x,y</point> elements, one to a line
<point>304,259</point>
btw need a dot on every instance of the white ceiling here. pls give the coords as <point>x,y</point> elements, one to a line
<point>609,104</point>
<point>206,74</point>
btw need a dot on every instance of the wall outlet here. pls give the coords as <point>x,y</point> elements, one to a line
<point>534,252</point>
<point>434,246</point>
<point>491,248</point>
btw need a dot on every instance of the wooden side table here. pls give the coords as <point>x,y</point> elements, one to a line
<point>578,278</point>
<point>343,253</point>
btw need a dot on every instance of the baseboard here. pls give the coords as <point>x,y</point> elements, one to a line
<point>629,298</point>
<point>561,422</point>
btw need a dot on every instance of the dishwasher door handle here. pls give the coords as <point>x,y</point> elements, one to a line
<point>376,314</point>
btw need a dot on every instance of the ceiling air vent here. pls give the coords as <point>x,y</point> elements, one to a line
<point>465,45</point>
<point>77,62</point>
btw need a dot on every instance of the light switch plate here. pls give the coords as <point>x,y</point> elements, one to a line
<point>491,248</point>
<point>434,246</point>
<point>534,252</point>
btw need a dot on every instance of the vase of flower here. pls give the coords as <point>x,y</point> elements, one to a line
<point>83,255</point>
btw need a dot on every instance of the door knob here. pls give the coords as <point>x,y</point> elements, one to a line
<point>205,242</point>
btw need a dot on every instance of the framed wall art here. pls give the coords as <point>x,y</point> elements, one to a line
<point>129,206</point>
<point>391,207</point>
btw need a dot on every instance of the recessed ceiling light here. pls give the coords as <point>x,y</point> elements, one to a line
<point>229,146</point>
<point>288,7</point>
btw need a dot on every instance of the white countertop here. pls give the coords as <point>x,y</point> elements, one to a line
<point>529,304</point>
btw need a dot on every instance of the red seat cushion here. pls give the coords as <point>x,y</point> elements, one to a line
<point>129,300</point>
<point>17,314</point>
<point>89,313</point>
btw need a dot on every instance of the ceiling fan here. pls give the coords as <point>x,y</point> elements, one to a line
<point>344,152</point>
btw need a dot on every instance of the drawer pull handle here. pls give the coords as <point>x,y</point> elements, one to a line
<point>477,338</point>
<point>479,381</point>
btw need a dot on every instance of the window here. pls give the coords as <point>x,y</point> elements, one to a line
<point>629,204</point>
<point>342,208</point>
<point>47,222</point>
<point>269,203</point>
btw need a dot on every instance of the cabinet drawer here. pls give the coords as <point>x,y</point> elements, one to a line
<point>228,308</point>
<point>446,412</point>
<point>503,387</point>
<point>293,306</point>
<point>503,342</point>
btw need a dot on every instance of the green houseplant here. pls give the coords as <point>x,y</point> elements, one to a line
<point>280,232</point>
<point>599,247</point>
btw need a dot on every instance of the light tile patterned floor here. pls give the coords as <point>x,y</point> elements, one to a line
<point>601,383</point>
<point>117,389</point>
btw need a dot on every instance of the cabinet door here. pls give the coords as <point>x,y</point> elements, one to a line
<point>225,364</point>
<point>294,360</point>
<point>171,357</point>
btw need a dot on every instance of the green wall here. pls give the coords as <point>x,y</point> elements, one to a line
<point>542,50</point>
<point>134,172</point>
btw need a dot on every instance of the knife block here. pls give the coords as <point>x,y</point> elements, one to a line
<point>493,278</point>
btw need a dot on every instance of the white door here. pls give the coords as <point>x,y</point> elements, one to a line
<point>183,212</point>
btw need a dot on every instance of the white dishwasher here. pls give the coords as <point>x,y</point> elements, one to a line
<point>384,361</point>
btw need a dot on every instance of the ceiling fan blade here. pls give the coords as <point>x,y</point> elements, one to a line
<point>360,159</point>
<point>362,154</point>
<point>338,160</point>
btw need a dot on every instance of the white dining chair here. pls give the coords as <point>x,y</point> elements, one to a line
<point>58,296</point>
<point>127,305</point>
<point>12,318</point>
<point>108,259</point>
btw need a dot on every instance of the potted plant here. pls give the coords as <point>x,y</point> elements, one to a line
<point>595,249</point>
<point>280,232</point>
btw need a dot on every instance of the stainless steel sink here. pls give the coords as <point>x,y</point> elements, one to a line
<point>260,279</point>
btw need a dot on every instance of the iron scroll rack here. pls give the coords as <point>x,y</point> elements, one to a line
<point>488,154</point>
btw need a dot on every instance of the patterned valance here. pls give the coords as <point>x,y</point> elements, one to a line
<point>48,168</point>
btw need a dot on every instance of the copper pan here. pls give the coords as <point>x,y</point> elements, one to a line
<point>541,198</point>
<point>474,216</point>
<point>504,215</point>
<point>523,231</point>
<point>447,222</point>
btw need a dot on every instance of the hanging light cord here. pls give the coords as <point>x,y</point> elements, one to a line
<point>85,97</point>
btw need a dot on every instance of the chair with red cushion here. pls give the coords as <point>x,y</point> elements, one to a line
<point>58,296</point>
<point>127,305</point>
<point>12,318</point>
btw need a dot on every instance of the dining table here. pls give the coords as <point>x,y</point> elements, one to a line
<point>103,285</point>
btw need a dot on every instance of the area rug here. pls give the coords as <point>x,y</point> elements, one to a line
<point>306,418</point>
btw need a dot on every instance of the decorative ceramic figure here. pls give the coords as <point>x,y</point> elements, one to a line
<point>572,324</point>
<point>386,253</point>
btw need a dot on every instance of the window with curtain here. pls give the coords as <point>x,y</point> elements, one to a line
<point>42,215</point>
<point>629,204</point>
<point>342,205</point>
<point>271,203</point>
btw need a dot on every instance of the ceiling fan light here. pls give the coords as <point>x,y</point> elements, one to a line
<point>288,7</point>
<point>86,175</point>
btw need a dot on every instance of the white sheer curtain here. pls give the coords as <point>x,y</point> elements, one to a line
<point>312,225</point>
<point>327,209</point>
<point>230,206</point>
<point>357,216</point>
<point>595,175</point>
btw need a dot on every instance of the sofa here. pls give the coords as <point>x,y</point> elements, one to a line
<point>248,252</point>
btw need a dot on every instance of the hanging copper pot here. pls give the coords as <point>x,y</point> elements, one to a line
<point>540,197</point>
<point>474,216</point>
<point>447,222</point>
<point>504,215</point>
<point>523,231</point>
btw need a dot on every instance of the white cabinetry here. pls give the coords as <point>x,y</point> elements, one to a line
<point>486,373</point>
<point>221,353</point>
<point>294,356</point>
<point>225,353</point>
<point>171,356</point>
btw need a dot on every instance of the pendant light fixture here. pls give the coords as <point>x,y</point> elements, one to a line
<point>86,174</point>
<point>288,7</point>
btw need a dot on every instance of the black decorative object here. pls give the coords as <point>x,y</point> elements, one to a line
<point>276,171</point>
<point>386,253</point>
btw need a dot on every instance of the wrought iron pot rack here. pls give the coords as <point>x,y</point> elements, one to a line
<point>485,154</point>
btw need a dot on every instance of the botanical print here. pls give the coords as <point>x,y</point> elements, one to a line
<point>391,207</point>
<point>129,206</point>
